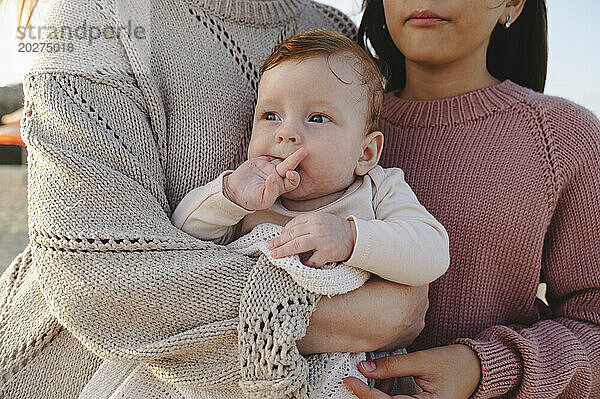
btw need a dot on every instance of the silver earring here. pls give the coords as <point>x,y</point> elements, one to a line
<point>507,23</point>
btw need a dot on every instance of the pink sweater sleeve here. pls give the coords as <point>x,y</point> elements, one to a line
<point>557,357</point>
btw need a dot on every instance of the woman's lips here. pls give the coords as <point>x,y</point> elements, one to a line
<point>424,18</point>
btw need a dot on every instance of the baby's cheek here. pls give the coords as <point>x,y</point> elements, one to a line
<point>304,179</point>
<point>257,146</point>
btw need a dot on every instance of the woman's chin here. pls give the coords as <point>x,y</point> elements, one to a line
<point>427,54</point>
<point>429,58</point>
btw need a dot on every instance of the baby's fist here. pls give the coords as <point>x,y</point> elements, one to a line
<point>257,183</point>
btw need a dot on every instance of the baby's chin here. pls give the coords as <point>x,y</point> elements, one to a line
<point>296,195</point>
<point>298,201</point>
<point>307,202</point>
<point>300,195</point>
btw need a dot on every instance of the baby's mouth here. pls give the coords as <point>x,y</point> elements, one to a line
<point>297,168</point>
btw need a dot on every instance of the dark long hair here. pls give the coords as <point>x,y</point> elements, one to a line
<point>519,53</point>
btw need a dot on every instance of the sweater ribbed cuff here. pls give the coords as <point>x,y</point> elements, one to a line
<point>501,368</point>
<point>362,243</point>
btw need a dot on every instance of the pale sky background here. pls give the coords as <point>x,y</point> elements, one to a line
<point>574,44</point>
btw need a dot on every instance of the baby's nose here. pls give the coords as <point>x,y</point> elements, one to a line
<point>287,135</point>
<point>281,138</point>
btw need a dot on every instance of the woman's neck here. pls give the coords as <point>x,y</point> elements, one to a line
<point>431,82</point>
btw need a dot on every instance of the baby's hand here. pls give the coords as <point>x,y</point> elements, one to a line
<point>256,184</point>
<point>330,237</point>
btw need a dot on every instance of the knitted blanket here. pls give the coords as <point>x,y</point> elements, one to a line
<point>118,379</point>
<point>331,279</point>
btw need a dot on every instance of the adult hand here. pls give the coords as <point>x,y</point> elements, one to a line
<point>256,184</point>
<point>328,237</point>
<point>379,315</point>
<point>448,372</point>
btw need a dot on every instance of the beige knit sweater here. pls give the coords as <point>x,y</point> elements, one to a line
<point>118,131</point>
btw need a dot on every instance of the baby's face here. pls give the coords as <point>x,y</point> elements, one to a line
<point>303,104</point>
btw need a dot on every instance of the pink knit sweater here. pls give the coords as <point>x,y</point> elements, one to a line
<point>514,176</point>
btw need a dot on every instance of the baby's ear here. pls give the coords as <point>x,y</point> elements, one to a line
<point>372,146</point>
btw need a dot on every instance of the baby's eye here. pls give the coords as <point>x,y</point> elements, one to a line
<point>270,116</point>
<point>319,119</point>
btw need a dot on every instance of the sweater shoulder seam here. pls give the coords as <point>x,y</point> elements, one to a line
<point>548,149</point>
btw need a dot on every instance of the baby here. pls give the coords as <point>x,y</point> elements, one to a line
<point>311,168</point>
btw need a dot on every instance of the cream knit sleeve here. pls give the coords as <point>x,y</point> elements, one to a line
<point>207,214</point>
<point>120,277</point>
<point>405,243</point>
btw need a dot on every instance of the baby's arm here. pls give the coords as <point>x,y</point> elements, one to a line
<point>207,214</point>
<point>405,243</point>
